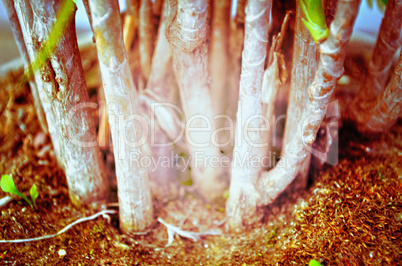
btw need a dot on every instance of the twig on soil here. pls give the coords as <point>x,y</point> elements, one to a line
<point>65,229</point>
<point>173,230</point>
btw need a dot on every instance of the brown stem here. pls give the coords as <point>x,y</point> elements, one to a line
<point>157,7</point>
<point>132,178</point>
<point>218,61</point>
<point>146,32</point>
<point>61,81</point>
<point>19,39</point>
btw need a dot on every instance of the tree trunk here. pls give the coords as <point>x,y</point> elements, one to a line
<point>378,69</point>
<point>61,82</point>
<point>19,39</point>
<point>187,33</point>
<point>384,112</point>
<point>132,178</point>
<point>270,184</point>
<point>250,139</point>
<point>305,60</point>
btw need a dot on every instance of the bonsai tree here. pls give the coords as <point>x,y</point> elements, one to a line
<point>233,67</point>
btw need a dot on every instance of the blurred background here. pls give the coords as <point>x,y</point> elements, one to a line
<point>367,25</point>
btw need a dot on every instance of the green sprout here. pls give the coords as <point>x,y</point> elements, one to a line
<point>315,19</point>
<point>34,194</point>
<point>7,185</point>
<point>314,263</point>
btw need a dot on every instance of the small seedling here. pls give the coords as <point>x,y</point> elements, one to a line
<point>7,185</point>
<point>314,263</point>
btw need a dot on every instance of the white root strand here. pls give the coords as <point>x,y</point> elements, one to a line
<point>65,229</point>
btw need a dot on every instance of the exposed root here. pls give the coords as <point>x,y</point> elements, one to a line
<point>173,231</point>
<point>65,229</point>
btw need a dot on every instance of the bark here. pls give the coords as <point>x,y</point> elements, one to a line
<point>270,184</point>
<point>218,62</point>
<point>378,69</point>
<point>250,140</point>
<point>132,178</point>
<point>61,83</point>
<point>187,33</point>
<point>384,112</point>
<point>305,60</point>
<point>160,91</point>
<point>146,31</point>
<point>19,39</point>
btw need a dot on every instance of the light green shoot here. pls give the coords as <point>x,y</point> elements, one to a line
<point>34,194</point>
<point>315,19</point>
<point>7,185</point>
<point>314,263</point>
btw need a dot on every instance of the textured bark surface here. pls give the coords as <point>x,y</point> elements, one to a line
<point>61,83</point>
<point>305,60</point>
<point>271,184</point>
<point>381,114</point>
<point>187,33</point>
<point>378,69</point>
<point>19,39</point>
<point>146,34</point>
<point>330,69</point>
<point>250,139</point>
<point>135,207</point>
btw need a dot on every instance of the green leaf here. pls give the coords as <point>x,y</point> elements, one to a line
<point>314,263</point>
<point>315,19</point>
<point>7,185</point>
<point>34,194</point>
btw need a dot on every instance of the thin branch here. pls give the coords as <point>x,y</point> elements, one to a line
<point>132,178</point>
